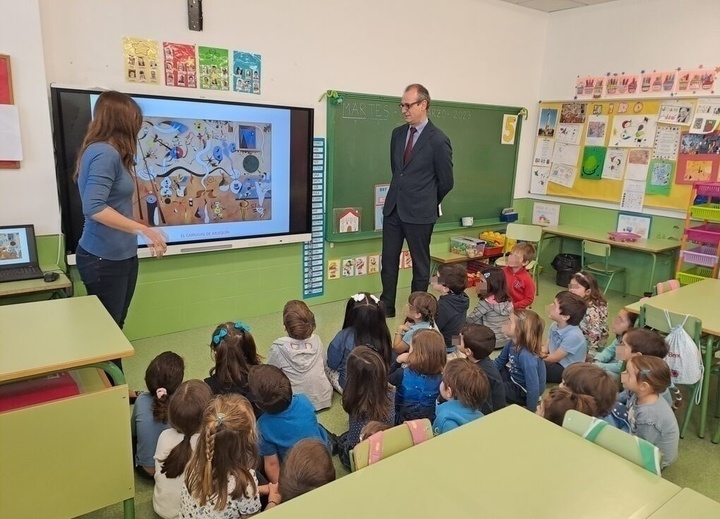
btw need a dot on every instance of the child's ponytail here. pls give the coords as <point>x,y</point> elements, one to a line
<point>162,377</point>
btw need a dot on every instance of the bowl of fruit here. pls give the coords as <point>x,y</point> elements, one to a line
<point>494,243</point>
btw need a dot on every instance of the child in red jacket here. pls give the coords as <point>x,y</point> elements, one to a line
<point>520,283</point>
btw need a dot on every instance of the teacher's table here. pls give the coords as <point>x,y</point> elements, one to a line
<point>510,464</point>
<point>61,287</point>
<point>652,247</point>
<point>446,258</point>
<point>688,503</point>
<point>700,300</point>
<point>65,457</point>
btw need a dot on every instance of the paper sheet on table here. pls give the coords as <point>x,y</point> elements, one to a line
<point>10,145</point>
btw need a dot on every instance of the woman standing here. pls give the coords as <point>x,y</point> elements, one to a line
<point>107,251</point>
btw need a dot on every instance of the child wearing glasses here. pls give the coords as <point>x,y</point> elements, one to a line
<point>594,324</point>
<point>650,416</point>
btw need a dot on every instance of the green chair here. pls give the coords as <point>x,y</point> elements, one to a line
<point>526,233</point>
<point>595,258</point>
<point>656,319</point>
<point>636,450</point>
<point>389,442</point>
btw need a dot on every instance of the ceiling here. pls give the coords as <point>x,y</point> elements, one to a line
<point>550,6</point>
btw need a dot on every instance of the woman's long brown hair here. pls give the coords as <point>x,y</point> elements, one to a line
<point>117,119</point>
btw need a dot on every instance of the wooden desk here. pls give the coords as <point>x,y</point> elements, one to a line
<point>446,257</point>
<point>701,300</point>
<point>66,457</point>
<point>652,247</point>
<point>510,464</point>
<point>60,287</point>
<point>688,503</point>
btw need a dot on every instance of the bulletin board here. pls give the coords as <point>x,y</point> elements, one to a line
<point>629,152</point>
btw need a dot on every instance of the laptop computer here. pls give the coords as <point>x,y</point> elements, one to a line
<point>18,253</point>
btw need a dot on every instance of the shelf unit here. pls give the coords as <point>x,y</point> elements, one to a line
<point>700,245</point>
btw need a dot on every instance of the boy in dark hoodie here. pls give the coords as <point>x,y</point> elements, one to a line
<point>301,356</point>
<point>453,303</point>
<point>465,388</point>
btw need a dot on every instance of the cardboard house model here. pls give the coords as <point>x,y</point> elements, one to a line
<point>349,220</point>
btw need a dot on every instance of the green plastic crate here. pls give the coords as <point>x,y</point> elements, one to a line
<point>694,275</point>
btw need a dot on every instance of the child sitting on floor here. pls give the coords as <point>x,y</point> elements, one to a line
<point>453,303</point>
<point>607,358</point>
<point>477,342</point>
<point>559,400</point>
<point>234,351</point>
<point>566,343</point>
<point>594,324</point>
<point>465,388</point>
<point>420,313</point>
<point>494,305</point>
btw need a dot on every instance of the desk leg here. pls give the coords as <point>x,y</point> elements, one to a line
<point>129,508</point>
<point>705,385</point>
<point>652,271</point>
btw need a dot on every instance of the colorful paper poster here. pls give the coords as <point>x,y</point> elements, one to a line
<point>667,142</point>
<point>651,84</point>
<point>247,72</point>
<point>546,214</point>
<point>633,131</point>
<point>635,223</point>
<point>633,195</point>
<point>566,154</point>
<point>348,267</point>
<point>214,68</point>
<point>695,144</point>
<point>707,116</point>
<point>573,113</point>
<point>669,82</point>
<point>374,264</point>
<point>381,191</point>
<point>597,130</point>
<point>676,112</point>
<point>361,264</point>
<point>589,87</point>
<point>405,260</point>
<point>697,168</point>
<point>141,60</point>
<point>623,85</point>
<point>539,180</point>
<point>592,162</point>
<point>180,65</point>
<point>333,269</point>
<point>696,81</point>
<point>615,160</point>
<point>562,174</point>
<point>637,165</point>
<point>660,178</point>
<point>570,133</point>
<point>543,151</point>
<point>548,120</point>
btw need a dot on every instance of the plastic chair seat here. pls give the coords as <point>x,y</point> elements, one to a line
<point>600,267</point>
<point>601,251</point>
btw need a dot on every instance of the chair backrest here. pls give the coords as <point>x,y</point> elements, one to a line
<point>636,450</point>
<point>384,444</point>
<point>654,318</point>
<point>599,250</point>
<point>666,286</point>
<point>522,232</point>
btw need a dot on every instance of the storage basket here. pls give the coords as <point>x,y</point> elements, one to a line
<point>706,233</point>
<point>706,211</point>
<point>705,255</point>
<point>694,275</point>
<point>708,188</point>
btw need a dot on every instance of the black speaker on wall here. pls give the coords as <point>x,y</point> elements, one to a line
<point>195,17</point>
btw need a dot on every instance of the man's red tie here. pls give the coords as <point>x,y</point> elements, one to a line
<point>409,145</point>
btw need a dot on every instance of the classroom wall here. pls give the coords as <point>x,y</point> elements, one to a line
<point>482,51</point>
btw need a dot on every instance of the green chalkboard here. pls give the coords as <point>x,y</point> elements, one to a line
<point>359,128</point>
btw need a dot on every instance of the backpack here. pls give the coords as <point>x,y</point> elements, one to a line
<point>683,358</point>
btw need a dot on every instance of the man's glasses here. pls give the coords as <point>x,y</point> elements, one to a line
<point>407,106</point>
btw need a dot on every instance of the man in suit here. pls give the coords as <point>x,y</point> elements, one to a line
<point>422,174</point>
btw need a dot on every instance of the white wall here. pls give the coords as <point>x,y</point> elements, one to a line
<point>28,194</point>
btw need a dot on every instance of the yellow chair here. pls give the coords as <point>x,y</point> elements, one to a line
<point>636,450</point>
<point>655,318</point>
<point>389,442</point>
<point>528,233</point>
<point>595,258</point>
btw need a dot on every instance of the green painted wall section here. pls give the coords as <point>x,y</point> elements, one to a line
<point>194,290</point>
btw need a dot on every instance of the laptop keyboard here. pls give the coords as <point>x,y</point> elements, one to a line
<point>20,273</point>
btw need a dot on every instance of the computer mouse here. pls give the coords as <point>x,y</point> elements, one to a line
<point>49,277</point>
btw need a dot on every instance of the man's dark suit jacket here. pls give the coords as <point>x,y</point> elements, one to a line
<point>420,185</point>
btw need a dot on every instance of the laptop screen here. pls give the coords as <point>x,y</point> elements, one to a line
<point>17,246</point>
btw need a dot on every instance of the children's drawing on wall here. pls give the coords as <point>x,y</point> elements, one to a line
<point>707,116</point>
<point>543,151</point>
<point>333,269</point>
<point>651,84</point>
<point>361,264</point>
<point>348,267</point>
<point>548,120</point>
<point>592,162</point>
<point>660,178</point>
<point>676,112</point>
<point>569,133</point>
<point>694,144</point>
<point>247,72</point>
<point>699,158</point>
<point>589,87</point>
<point>214,68</point>
<point>633,131</point>
<point>637,165</point>
<point>200,171</point>
<point>563,175</point>
<point>597,130</point>
<point>347,219</point>
<point>374,264</point>
<point>573,113</point>
<point>566,154</point>
<point>180,68</point>
<point>615,160</point>
<point>633,195</point>
<point>697,81</point>
<point>539,180</point>
<point>141,60</point>
<point>667,142</point>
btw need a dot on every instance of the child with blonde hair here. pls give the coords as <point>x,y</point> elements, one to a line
<point>418,382</point>
<point>220,480</point>
<point>520,284</point>
<point>234,352</point>
<point>594,324</point>
<point>176,445</point>
<point>519,362</point>
<point>420,311</point>
<point>301,356</point>
<point>149,417</point>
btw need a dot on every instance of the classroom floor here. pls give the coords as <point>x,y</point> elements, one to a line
<point>697,467</point>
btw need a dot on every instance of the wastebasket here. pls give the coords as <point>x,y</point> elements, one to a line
<point>566,265</point>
